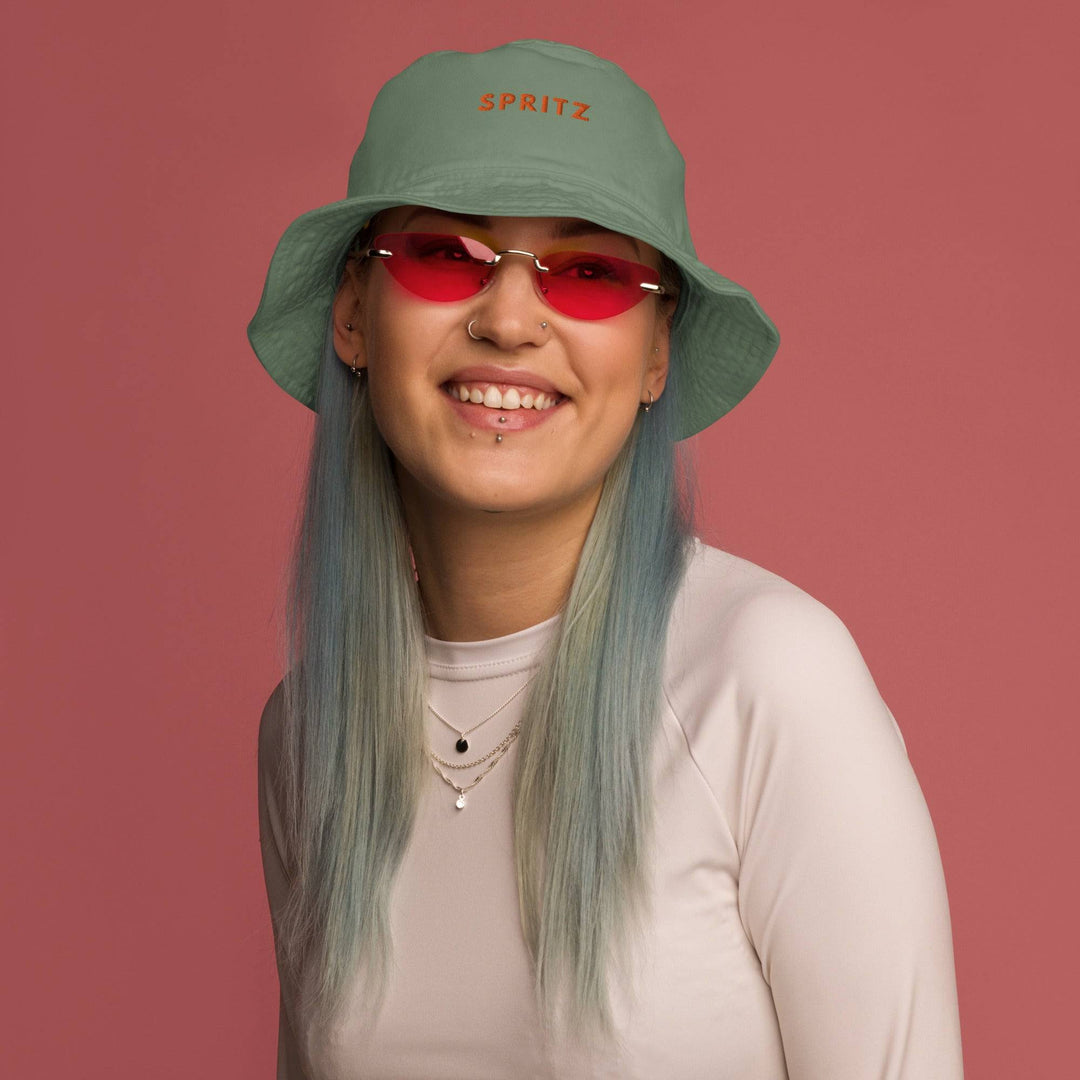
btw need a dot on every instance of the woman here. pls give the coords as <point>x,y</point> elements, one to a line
<point>550,787</point>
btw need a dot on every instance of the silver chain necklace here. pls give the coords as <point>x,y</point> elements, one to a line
<point>462,745</point>
<point>495,755</point>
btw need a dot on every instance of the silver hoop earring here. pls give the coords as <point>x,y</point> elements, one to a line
<point>468,330</point>
<point>652,401</point>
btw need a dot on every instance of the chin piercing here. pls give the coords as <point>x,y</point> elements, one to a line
<point>498,438</point>
<point>468,330</point>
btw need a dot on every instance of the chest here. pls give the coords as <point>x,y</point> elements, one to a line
<point>460,1000</point>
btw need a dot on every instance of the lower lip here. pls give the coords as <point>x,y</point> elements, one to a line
<point>501,419</point>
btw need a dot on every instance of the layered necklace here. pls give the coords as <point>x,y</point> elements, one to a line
<point>493,756</point>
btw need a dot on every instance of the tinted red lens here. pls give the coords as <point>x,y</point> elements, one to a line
<point>580,284</point>
<point>436,266</point>
<point>584,285</point>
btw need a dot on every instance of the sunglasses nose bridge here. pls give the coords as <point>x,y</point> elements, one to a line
<point>537,269</point>
<point>540,268</point>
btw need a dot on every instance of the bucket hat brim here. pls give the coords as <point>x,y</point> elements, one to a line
<point>721,338</point>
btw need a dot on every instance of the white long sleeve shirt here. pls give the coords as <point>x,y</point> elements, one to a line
<point>800,924</point>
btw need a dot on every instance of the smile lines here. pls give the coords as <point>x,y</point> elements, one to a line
<point>494,398</point>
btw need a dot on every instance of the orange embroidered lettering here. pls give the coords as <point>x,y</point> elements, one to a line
<point>527,102</point>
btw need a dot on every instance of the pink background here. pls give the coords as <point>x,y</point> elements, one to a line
<point>897,183</point>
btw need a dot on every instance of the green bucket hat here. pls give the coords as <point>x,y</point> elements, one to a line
<point>528,129</point>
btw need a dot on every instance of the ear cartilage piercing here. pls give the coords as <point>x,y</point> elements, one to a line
<point>349,326</point>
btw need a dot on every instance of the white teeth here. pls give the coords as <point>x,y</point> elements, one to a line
<point>493,398</point>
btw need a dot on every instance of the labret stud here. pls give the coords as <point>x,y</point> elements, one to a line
<point>498,438</point>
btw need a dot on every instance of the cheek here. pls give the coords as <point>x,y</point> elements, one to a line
<point>612,366</point>
<point>403,340</point>
<point>610,400</point>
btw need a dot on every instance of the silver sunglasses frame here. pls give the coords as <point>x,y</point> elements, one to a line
<point>382,253</point>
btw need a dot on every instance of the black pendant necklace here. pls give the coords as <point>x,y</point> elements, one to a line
<point>462,744</point>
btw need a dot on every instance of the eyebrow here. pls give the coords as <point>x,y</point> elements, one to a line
<point>564,230</point>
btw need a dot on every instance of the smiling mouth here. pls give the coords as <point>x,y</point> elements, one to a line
<point>503,396</point>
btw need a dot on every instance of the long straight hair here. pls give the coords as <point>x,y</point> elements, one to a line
<point>353,742</point>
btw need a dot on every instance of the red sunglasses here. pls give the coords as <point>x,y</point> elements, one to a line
<point>580,284</point>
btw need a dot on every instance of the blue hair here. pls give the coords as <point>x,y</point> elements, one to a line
<point>353,749</point>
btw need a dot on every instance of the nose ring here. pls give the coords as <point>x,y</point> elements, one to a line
<point>469,326</point>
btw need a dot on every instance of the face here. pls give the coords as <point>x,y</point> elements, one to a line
<point>421,361</point>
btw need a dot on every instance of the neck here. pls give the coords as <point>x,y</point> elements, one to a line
<point>484,575</point>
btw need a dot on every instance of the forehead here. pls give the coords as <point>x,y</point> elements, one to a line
<point>510,229</point>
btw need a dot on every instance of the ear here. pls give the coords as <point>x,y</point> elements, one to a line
<point>348,340</point>
<point>658,360</point>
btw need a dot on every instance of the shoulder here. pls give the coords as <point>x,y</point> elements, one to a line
<point>746,636</point>
<point>733,609</point>
<point>271,805</point>
<point>270,729</point>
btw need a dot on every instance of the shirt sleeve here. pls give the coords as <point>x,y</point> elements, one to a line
<point>841,887</point>
<point>275,874</point>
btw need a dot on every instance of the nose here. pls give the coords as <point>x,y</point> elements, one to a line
<point>511,306</point>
